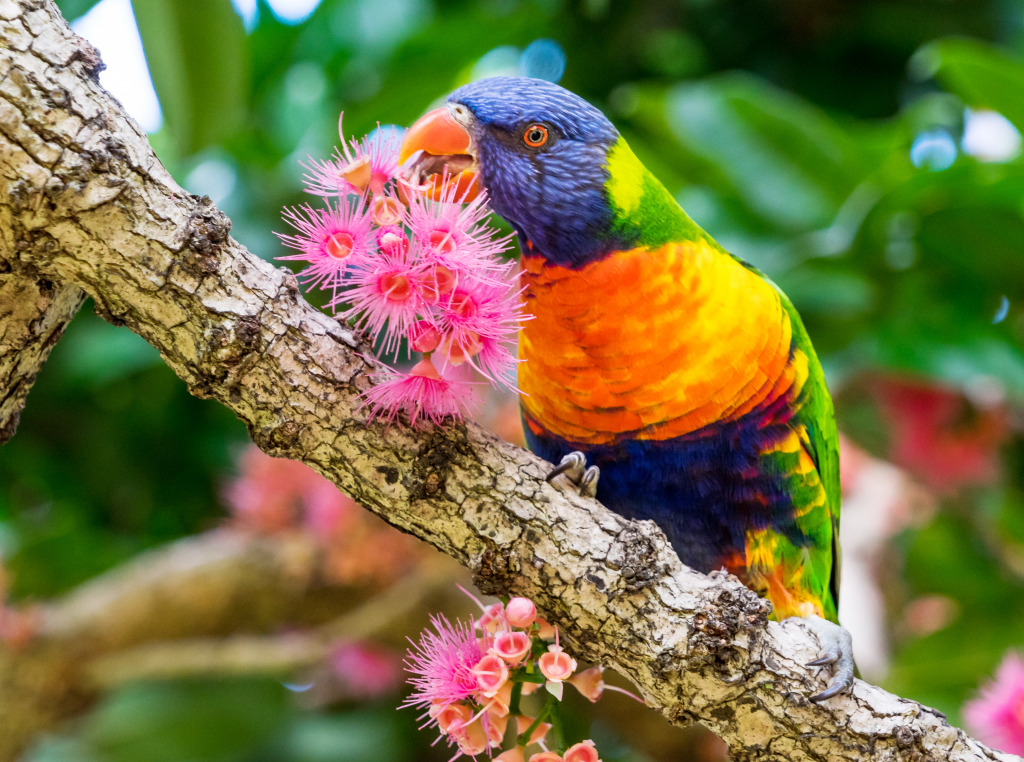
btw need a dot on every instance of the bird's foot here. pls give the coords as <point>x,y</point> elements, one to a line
<point>837,648</point>
<point>574,466</point>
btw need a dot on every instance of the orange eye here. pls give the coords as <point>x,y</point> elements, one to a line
<point>536,135</point>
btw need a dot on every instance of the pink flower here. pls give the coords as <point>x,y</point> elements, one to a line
<point>494,726</point>
<point>481,322</point>
<point>996,716</point>
<point>546,630</point>
<point>387,211</point>
<point>491,674</point>
<point>423,393</point>
<point>452,234</point>
<point>442,664</point>
<point>386,297</point>
<point>367,164</point>
<point>520,612</point>
<point>556,665</point>
<point>423,336</point>
<point>512,646</point>
<point>584,751</point>
<point>331,240</point>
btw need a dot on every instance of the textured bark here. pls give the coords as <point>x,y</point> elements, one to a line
<point>34,311</point>
<point>93,207</point>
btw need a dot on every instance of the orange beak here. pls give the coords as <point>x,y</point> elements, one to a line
<point>437,134</point>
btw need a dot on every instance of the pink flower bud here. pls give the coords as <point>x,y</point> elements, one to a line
<point>589,682</point>
<point>546,756</point>
<point>393,242</point>
<point>520,612</point>
<point>524,721</point>
<point>491,674</point>
<point>423,336</point>
<point>556,665</point>
<point>498,705</point>
<point>357,172</point>
<point>584,751</point>
<point>512,646</point>
<point>386,211</point>
<point>495,728</point>
<point>471,739</point>
<point>546,631</point>
<point>493,616</point>
<point>530,688</point>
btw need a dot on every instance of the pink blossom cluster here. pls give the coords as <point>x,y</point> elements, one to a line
<point>416,266</point>
<point>996,715</point>
<point>275,496</point>
<point>471,680</point>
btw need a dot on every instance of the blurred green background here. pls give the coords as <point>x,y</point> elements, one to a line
<point>865,154</point>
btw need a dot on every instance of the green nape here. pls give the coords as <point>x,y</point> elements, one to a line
<point>644,213</point>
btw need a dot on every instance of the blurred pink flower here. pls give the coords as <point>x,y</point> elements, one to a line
<point>996,716</point>
<point>366,670</point>
<point>272,495</point>
<point>556,665</point>
<point>939,435</point>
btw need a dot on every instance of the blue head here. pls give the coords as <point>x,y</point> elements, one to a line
<point>542,153</point>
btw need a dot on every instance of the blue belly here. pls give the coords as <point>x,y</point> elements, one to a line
<point>705,490</point>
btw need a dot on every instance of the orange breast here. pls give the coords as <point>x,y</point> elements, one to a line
<point>650,344</point>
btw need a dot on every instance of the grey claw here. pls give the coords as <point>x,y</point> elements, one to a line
<point>823,661</point>
<point>837,647</point>
<point>588,487</point>
<point>572,465</point>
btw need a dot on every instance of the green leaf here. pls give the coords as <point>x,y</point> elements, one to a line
<point>198,59</point>
<point>787,159</point>
<point>983,76</point>
<point>74,9</point>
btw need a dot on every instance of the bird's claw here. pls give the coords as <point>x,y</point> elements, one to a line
<point>837,646</point>
<point>574,466</point>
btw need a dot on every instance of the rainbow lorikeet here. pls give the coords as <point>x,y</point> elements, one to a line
<point>683,375</point>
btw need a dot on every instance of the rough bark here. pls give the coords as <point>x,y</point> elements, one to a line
<point>34,311</point>
<point>92,206</point>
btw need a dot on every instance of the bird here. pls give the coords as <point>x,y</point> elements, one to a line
<point>661,373</point>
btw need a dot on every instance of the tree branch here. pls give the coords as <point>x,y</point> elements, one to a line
<point>97,209</point>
